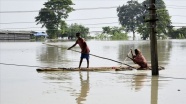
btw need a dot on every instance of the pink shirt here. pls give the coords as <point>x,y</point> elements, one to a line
<point>83,45</point>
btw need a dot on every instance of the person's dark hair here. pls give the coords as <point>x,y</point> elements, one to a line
<point>136,51</point>
<point>78,34</point>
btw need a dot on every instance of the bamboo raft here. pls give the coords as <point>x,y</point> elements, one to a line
<point>119,68</point>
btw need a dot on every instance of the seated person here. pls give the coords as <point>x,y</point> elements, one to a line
<point>138,58</point>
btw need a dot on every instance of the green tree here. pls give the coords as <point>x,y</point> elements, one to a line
<point>114,33</point>
<point>183,32</point>
<point>63,27</point>
<point>52,14</point>
<point>144,31</point>
<point>106,29</point>
<point>74,28</point>
<point>119,36</point>
<point>162,23</point>
<point>106,32</point>
<point>130,16</point>
<point>173,33</point>
<point>101,36</point>
<point>117,33</point>
<point>179,33</point>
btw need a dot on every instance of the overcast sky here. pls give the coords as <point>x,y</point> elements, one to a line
<point>108,17</point>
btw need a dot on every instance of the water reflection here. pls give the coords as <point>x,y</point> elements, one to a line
<point>77,84</point>
<point>154,89</point>
<point>52,56</point>
<point>63,81</point>
<point>57,76</point>
<point>138,81</point>
<point>84,88</point>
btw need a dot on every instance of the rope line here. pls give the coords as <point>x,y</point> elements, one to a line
<point>77,19</point>
<point>145,75</point>
<point>111,7</point>
<point>22,65</point>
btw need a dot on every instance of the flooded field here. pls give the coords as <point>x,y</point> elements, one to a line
<point>20,83</point>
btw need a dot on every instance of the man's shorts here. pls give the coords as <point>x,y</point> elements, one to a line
<point>84,55</point>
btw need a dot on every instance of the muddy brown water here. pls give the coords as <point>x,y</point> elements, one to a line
<point>20,83</point>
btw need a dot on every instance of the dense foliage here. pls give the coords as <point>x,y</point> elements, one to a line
<point>179,33</point>
<point>52,15</point>
<point>131,16</point>
<point>164,20</point>
<point>112,33</point>
<point>72,29</point>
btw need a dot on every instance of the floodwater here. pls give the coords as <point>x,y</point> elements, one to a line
<point>20,83</point>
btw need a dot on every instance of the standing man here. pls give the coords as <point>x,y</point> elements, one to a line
<point>84,49</point>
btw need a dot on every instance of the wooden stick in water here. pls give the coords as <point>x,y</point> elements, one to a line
<point>126,56</point>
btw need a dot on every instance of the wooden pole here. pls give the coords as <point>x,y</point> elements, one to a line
<point>153,40</point>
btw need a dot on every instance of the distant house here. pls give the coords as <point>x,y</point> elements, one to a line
<point>20,35</point>
<point>15,35</point>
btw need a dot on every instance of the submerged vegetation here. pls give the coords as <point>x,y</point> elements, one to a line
<point>112,33</point>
